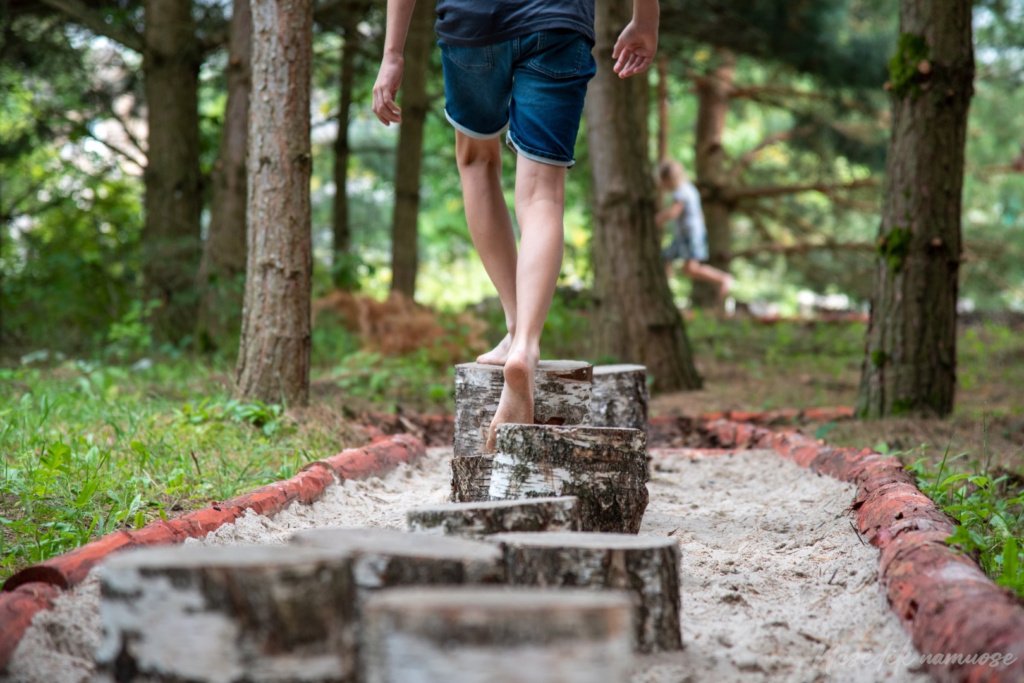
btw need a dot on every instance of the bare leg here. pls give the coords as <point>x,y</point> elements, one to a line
<point>490,226</point>
<point>702,271</point>
<point>540,203</point>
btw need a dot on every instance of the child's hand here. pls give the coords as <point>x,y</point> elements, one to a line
<point>635,48</point>
<point>389,78</point>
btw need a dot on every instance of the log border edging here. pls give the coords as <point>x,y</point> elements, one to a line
<point>34,588</point>
<point>941,597</point>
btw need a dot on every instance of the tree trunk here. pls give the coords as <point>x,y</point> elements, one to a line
<point>910,356</point>
<point>273,357</point>
<point>619,397</point>
<point>342,273</point>
<point>171,237</point>
<point>409,156</point>
<point>497,636</point>
<point>606,469</point>
<point>222,269</point>
<point>713,94</point>
<point>646,566</point>
<point>663,108</point>
<point>249,613</point>
<point>475,520</point>
<point>636,319</point>
<point>471,478</point>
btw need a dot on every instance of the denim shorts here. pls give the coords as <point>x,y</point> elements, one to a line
<point>533,84</point>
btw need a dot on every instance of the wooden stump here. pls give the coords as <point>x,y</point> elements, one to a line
<point>619,397</point>
<point>383,558</point>
<point>646,566</point>
<point>605,468</point>
<point>497,636</point>
<point>561,397</point>
<point>220,613</point>
<point>471,477</point>
<point>475,520</point>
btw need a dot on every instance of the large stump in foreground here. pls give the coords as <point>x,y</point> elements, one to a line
<point>605,468</point>
<point>561,397</point>
<point>497,636</point>
<point>227,613</point>
<point>475,520</point>
<point>619,397</point>
<point>383,558</point>
<point>645,566</point>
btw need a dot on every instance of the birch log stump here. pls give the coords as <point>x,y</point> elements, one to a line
<point>561,397</point>
<point>605,468</point>
<point>620,397</point>
<point>383,558</point>
<point>219,613</point>
<point>471,635</point>
<point>646,566</point>
<point>475,520</point>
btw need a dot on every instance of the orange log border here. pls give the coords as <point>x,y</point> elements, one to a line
<point>34,588</point>
<point>941,596</point>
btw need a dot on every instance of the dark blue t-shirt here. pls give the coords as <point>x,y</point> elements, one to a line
<point>483,22</point>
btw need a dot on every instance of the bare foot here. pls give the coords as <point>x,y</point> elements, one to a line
<point>499,354</point>
<point>516,404</point>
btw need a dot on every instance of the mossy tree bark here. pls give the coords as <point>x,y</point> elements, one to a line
<point>636,319</point>
<point>273,358</point>
<point>909,364</point>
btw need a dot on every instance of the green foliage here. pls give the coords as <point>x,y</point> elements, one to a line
<point>894,247</point>
<point>911,50</point>
<point>989,512</point>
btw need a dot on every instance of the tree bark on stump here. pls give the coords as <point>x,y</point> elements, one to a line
<point>383,558</point>
<point>605,468</point>
<point>273,356</point>
<point>619,397</point>
<point>476,520</point>
<point>646,566</point>
<point>217,613</point>
<point>562,396</point>
<point>909,365</point>
<point>498,636</point>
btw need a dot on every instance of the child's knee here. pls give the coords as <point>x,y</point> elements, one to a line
<point>475,153</point>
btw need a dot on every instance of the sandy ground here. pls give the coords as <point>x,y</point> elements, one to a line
<point>776,584</point>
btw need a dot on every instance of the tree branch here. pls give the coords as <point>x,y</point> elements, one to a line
<point>803,248</point>
<point>92,20</point>
<point>739,194</point>
<point>747,158</point>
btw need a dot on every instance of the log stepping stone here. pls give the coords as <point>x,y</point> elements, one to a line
<point>383,558</point>
<point>561,397</point>
<point>619,397</point>
<point>475,520</point>
<point>645,566</point>
<point>227,613</point>
<point>478,635</point>
<point>605,468</point>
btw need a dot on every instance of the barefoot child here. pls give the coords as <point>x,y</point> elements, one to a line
<point>690,236</point>
<point>521,66</point>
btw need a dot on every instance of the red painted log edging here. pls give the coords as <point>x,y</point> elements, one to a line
<point>33,589</point>
<point>944,600</point>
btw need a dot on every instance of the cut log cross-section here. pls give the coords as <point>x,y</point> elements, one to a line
<point>506,635</point>
<point>605,468</point>
<point>620,397</point>
<point>646,566</point>
<point>219,613</point>
<point>562,395</point>
<point>475,520</point>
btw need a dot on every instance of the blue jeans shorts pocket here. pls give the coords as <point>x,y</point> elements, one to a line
<point>469,58</point>
<point>560,54</point>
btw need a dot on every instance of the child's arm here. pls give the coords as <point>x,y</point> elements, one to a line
<point>670,212</point>
<point>389,77</point>
<point>634,50</point>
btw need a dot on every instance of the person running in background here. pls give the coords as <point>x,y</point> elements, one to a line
<point>690,236</point>
<point>521,66</point>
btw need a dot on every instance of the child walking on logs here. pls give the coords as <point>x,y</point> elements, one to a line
<point>521,66</point>
<point>690,236</point>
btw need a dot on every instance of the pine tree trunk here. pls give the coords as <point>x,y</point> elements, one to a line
<point>409,157</point>
<point>636,319</point>
<point>342,274</point>
<point>171,239</point>
<point>222,269</point>
<point>910,356</point>
<point>713,94</point>
<point>273,358</point>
